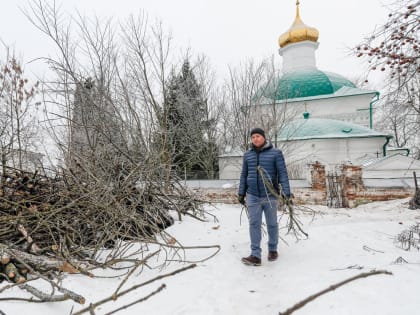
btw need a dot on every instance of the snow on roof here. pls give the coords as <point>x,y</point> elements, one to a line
<point>396,161</point>
<point>321,128</point>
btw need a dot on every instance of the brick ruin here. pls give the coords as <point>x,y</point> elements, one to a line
<point>352,190</point>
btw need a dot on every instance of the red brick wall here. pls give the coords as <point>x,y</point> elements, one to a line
<point>311,196</point>
<point>353,184</point>
<point>355,192</point>
<point>318,180</point>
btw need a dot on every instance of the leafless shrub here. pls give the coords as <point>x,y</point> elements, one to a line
<point>410,238</point>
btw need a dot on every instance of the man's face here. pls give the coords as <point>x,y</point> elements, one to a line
<point>257,140</point>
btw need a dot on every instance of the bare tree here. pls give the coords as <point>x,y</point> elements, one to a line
<point>252,98</point>
<point>18,127</point>
<point>394,48</point>
<point>395,45</point>
<point>243,90</point>
<point>109,90</point>
<point>106,103</point>
<point>272,113</point>
<point>400,115</point>
<point>106,108</point>
<point>148,64</point>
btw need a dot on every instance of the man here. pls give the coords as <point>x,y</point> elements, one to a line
<point>263,178</point>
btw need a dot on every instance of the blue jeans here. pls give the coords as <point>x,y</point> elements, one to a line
<point>256,206</point>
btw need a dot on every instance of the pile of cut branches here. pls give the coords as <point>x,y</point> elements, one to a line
<point>55,223</point>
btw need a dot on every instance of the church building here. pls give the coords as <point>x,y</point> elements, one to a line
<point>326,118</point>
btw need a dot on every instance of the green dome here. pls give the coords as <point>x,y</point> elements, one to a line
<point>319,128</point>
<point>306,83</point>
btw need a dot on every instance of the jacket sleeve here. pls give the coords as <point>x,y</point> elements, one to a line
<point>283,178</point>
<point>244,175</point>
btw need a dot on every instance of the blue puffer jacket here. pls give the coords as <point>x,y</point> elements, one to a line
<point>273,167</point>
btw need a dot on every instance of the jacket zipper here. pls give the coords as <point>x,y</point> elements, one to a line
<point>258,182</point>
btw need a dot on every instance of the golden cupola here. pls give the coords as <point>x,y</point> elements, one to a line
<point>298,32</point>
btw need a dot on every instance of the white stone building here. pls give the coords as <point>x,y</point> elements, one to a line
<point>337,127</point>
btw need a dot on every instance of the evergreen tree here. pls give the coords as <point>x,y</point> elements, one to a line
<point>187,124</point>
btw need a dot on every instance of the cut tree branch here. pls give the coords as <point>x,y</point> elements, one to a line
<point>331,288</point>
<point>161,287</point>
<point>113,297</point>
<point>44,297</point>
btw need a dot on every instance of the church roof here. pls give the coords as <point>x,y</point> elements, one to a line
<point>320,128</point>
<point>310,83</point>
<point>397,161</point>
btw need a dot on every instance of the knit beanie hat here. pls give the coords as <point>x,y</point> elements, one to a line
<point>259,131</point>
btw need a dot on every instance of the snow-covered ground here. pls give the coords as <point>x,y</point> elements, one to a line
<point>342,243</point>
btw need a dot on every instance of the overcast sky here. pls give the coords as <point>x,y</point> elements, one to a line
<point>227,31</point>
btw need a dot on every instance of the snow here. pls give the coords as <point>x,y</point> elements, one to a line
<point>342,243</point>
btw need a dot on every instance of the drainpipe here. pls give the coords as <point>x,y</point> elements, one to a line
<point>374,100</point>
<point>388,138</point>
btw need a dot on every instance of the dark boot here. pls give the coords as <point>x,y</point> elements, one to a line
<point>251,261</point>
<point>272,255</point>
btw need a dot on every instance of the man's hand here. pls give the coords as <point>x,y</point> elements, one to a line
<point>288,200</point>
<point>241,199</point>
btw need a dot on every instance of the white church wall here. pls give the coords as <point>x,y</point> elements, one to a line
<point>354,109</point>
<point>335,151</point>
<point>328,153</point>
<point>298,154</point>
<point>361,146</point>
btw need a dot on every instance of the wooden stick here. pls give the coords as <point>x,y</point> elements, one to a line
<point>33,247</point>
<point>41,262</point>
<point>331,288</point>
<point>138,263</point>
<point>44,297</point>
<point>5,258</point>
<point>10,270</point>
<point>72,295</point>
<point>163,286</point>
<point>113,297</point>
